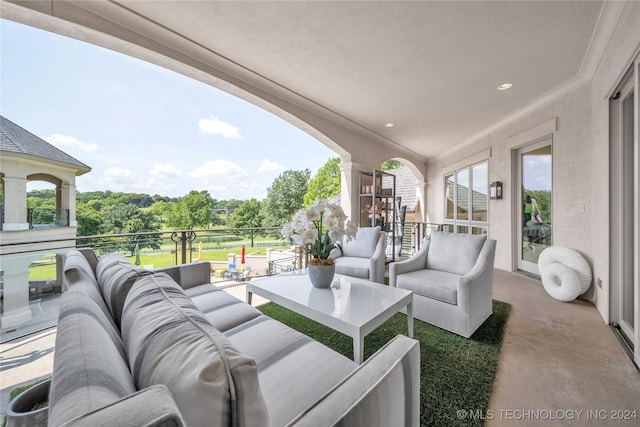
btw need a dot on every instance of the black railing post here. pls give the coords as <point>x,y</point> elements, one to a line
<point>182,237</point>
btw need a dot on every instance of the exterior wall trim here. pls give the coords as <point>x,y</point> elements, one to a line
<point>530,135</point>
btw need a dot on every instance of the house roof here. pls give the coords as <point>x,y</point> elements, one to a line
<point>405,187</point>
<point>16,139</point>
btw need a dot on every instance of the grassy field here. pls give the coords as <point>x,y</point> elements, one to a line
<point>44,268</point>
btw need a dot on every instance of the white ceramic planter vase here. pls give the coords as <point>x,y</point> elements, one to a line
<point>321,276</point>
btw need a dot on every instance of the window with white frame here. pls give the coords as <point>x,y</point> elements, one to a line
<point>466,199</point>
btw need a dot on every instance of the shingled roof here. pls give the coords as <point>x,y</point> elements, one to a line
<point>15,139</point>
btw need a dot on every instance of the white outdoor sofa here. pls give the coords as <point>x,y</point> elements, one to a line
<point>134,347</point>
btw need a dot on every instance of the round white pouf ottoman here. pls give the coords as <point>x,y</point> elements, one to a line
<point>565,273</point>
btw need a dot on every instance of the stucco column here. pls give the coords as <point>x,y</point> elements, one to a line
<point>350,188</point>
<point>68,201</point>
<point>15,204</point>
<point>421,194</point>
<point>16,291</point>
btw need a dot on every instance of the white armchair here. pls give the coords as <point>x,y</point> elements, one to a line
<point>364,256</point>
<point>451,277</point>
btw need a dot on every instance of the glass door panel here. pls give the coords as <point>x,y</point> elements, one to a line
<point>535,193</point>
<point>462,192</point>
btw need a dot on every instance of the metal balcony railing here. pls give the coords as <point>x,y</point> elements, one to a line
<point>42,217</point>
<point>31,272</point>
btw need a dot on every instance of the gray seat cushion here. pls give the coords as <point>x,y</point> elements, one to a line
<point>224,311</point>
<point>294,370</point>
<point>434,284</point>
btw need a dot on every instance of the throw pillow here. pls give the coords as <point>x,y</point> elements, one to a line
<point>364,244</point>
<point>169,341</point>
<point>454,252</point>
<point>116,276</point>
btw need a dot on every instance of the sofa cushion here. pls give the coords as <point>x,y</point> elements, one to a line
<point>116,275</point>
<point>295,371</point>
<point>434,284</point>
<point>90,368</point>
<point>169,341</point>
<point>223,310</point>
<point>454,252</point>
<point>77,268</point>
<point>353,266</point>
<point>364,244</point>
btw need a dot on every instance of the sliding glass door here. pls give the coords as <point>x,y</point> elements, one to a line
<point>625,235</point>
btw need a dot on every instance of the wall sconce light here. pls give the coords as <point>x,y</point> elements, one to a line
<point>496,190</point>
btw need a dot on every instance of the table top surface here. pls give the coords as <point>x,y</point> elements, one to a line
<point>348,300</point>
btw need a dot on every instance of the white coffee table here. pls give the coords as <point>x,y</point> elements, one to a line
<point>352,306</point>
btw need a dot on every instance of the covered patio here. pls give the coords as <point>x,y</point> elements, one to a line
<point>557,360</point>
<point>448,87</point>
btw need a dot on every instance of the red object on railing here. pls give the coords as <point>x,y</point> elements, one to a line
<point>242,259</point>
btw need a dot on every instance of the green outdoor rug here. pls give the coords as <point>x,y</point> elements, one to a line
<point>456,373</point>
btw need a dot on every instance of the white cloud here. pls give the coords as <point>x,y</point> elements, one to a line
<point>218,127</point>
<point>119,176</point>
<point>268,166</point>
<point>66,142</point>
<point>219,168</point>
<point>163,170</point>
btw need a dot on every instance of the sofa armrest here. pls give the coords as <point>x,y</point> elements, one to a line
<point>417,262</point>
<point>479,281</point>
<point>152,406</point>
<point>188,275</point>
<point>383,391</point>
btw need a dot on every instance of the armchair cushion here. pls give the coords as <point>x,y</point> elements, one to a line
<point>353,266</point>
<point>454,253</point>
<point>434,284</point>
<point>364,245</point>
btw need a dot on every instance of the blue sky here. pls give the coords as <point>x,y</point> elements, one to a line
<point>143,128</point>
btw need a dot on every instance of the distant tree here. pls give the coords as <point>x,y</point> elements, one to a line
<point>121,219</point>
<point>193,210</point>
<point>96,205</point>
<point>248,214</point>
<point>90,222</point>
<point>391,165</point>
<point>47,193</point>
<point>285,197</point>
<point>325,184</point>
<point>230,204</point>
<point>161,209</point>
<point>40,203</point>
<point>216,219</point>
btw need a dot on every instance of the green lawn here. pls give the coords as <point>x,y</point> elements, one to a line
<point>456,374</point>
<point>44,268</point>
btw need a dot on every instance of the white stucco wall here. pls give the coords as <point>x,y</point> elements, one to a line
<point>571,173</point>
<point>580,162</point>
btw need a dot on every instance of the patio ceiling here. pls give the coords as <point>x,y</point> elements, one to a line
<point>431,68</point>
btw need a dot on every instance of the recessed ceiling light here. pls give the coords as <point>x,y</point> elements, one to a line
<point>389,125</point>
<point>504,86</point>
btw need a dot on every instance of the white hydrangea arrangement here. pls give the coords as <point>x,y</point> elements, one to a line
<point>321,228</point>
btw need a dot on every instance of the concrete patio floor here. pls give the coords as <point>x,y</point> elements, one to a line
<point>560,363</point>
